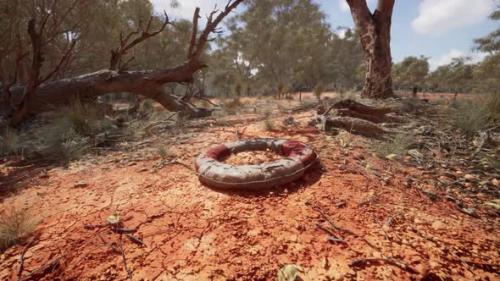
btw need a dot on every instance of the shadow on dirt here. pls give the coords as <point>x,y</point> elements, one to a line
<point>311,175</point>
<point>21,174</point>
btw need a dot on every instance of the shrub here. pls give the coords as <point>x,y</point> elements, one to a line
<point>15,225</point>
<point>73,131</point>
<point>475,115</point>
<point>146,106</point>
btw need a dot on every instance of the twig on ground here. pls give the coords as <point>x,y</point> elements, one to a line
<point>21,259</point>
<point>135,240</point>
<point>368,261</point>
<point>124,230</point>
<point>332,236</point>
<point>39,273</point>
<point>325,216</point>
<point>124,259</point>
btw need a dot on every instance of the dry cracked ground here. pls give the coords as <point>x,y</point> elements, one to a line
<point>353,216</point>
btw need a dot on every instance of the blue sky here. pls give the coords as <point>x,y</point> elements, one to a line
<point>438,29</point>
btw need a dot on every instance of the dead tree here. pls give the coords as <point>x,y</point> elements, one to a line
<point>48,95</point>
<point>374,30</point>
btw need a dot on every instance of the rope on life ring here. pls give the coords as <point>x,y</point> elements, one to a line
<point>298,157</point>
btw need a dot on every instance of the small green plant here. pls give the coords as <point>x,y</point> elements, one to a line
<point>318,91</point>
<point>395,146</point>
<point>15,225</point>
<point>146,106</point>
<point>475,115</point>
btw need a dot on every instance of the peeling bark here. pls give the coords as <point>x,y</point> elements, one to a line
<point>374,31</point>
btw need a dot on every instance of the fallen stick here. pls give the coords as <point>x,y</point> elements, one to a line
<point>391,261</point>
<point>21,259</point>
<point>344,229</point>
<point>135,240</point>
<point>129,273</point>
<point>355,125</point>
<point>332,236</point>
<point>39,273</point>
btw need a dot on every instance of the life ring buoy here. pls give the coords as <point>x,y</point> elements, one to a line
<point>297,157</point>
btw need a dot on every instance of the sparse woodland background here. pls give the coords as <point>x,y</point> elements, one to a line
<point>270,46</point>
<point>266,48</point>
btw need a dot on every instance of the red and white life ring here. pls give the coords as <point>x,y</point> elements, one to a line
<point>297,158</point>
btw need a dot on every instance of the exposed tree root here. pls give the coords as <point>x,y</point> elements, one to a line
<point>356,118</point>
<point>354,125</point>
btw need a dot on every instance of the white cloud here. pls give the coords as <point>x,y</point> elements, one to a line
<point>448,57</point>
<point>438,16</point>
<point>186,7</point>
<point>344,7</point>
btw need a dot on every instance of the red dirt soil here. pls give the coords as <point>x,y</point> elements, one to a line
<point>251,157</point>
<point>191,232</point>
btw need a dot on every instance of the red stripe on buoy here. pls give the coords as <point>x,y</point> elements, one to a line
<point>217,152</point>
<point>296,149</point>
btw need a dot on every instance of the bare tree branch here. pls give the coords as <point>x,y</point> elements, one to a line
<point>211,27</point>
<point>194,33</point>
<point>118,53</point>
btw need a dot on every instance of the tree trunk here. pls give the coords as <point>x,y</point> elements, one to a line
<point>374,31</point>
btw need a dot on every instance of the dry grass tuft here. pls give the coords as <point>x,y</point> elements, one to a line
<point>268,122</point>
<point>15,226</point>
<point>477,115</point>
<point>398,145</point>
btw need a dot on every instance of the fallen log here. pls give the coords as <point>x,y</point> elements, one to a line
<point>88,87</point>
<point>355,114</point>
<point>353,125</point>
<point>361,108</point>
<point>351,108</point>
<point>39,93</point>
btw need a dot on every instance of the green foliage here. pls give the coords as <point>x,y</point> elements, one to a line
<point>15,225</point>
<point>475,115</point>
<point>146,106</point>
<point>454,77</point>
<point>410,72</point>
<point>264,39</point>
<point>486,75</point>
<point>398,145</point>
<point>491,42</point>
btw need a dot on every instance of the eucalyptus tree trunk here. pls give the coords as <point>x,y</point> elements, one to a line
<point>374,30</point>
